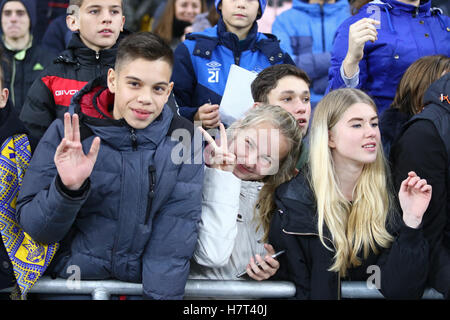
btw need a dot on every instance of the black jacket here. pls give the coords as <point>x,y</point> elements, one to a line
<point>20,70</point>
<point>306,262</point>
<point>424,147</point>
<point>49,96</point>
<point>391,122</point>
<point>9,126</point>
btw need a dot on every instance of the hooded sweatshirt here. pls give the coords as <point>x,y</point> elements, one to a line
<point>22,67</point>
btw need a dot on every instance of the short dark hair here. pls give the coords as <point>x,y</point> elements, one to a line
<point>144,45</point>
<point>268,79</point>
<point>78,3</point>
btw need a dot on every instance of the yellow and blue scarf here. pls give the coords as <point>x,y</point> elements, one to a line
<point>29,258</point>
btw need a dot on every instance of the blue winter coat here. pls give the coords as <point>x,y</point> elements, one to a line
<point>136,220</point>
<point>406,34</point>
<point>203,61</point>
<point>309,43</point>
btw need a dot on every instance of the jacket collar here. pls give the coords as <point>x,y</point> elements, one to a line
<point>439,93</point>
<point>297,193</point>
<point>77,52</point>
<point>231,41</point>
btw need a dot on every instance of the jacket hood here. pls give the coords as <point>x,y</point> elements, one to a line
<point>94,103</point>
<point>393,7</point>
<point>30,5</point>
<point>315,8</point>
<point>439,93</point>
<point>228,38</point>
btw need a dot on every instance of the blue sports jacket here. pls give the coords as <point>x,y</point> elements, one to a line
<point>406,33</point>
<point>309,43</point>
<point>137,218</point>
<point>203,61</point>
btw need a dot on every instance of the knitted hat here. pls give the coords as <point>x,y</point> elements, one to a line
<point>262,6</point>
<point>30,5</point>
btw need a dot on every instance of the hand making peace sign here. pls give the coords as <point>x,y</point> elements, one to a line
<point>218,156</point>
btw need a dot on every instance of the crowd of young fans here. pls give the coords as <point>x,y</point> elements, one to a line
<point>115,157</point>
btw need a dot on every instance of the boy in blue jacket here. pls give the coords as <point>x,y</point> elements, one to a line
<point>128,209</point>
<point>203,60</point>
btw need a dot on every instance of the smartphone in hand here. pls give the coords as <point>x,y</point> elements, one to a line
<point>279,253</point>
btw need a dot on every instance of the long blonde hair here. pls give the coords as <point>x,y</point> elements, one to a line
<point>283,121</point>
<point>356,225</point>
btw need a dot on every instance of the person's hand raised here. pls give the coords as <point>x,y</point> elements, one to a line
<point>414,196</point>
<point>218,156</point>
<point>359,33</point>
<point>73,166</point>
<point>208,114</point>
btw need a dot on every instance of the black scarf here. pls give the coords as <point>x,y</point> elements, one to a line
<point>10,124</point>
<point>178,27</point>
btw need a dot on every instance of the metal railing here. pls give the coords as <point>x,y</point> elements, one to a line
<point>198,289</point>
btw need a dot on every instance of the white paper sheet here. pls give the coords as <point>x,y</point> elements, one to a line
<point>237,97</point>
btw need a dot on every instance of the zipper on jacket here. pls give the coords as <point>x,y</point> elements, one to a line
<point>308,234</point>
<point>315,234</point>
<point>322,18</point>
<point>151,191</point>
<point>13,79</point>
<point>97,55</point>
<point>237,59</point>
<point>133,138</point>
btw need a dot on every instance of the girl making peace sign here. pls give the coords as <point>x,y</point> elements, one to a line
<point>254,156</point>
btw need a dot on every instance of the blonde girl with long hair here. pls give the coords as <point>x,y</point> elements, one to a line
<point>254,156</point>
<point>336,220</point>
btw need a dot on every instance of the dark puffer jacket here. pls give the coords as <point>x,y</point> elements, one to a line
<point>49,96</point>
<point>137,217</point>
